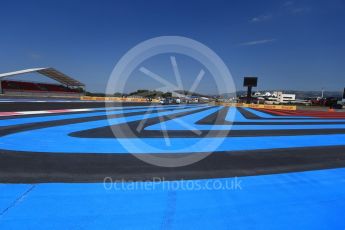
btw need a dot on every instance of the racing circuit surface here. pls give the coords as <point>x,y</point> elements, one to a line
<point>54,157</point>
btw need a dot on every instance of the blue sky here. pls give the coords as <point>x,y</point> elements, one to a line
<point>287,44</point>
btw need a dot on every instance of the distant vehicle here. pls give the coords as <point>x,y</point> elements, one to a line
<point>331,101</point>
<point>169,100</point>
<point>166,101</point>
<point>314,100</point>
<point>303,102</point>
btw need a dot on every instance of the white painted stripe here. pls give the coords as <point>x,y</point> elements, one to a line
<point>2,114</point>
<point>79,110</point>
<point>32,112</point>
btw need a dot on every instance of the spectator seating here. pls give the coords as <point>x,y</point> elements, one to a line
<point>39,87</point>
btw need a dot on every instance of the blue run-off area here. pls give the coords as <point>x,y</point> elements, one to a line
<point>305,200</point>
<point>57,138</point>
<point>301,200</point>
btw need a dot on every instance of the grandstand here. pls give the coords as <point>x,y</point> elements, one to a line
<point>67,87</point>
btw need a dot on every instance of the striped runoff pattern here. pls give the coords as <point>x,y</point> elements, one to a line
<point>287,166</point>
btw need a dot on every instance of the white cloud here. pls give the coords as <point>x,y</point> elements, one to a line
<point>261,18</point>
<point>257,42</point>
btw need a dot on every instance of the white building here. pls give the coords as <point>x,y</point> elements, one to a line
<point>285,98</point>
<point>275,94</point>
<point>267,94</point>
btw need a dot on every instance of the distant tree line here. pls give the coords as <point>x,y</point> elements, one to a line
<point>140,92</point>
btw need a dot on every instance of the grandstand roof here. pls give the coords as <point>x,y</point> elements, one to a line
<point>48,72</point>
